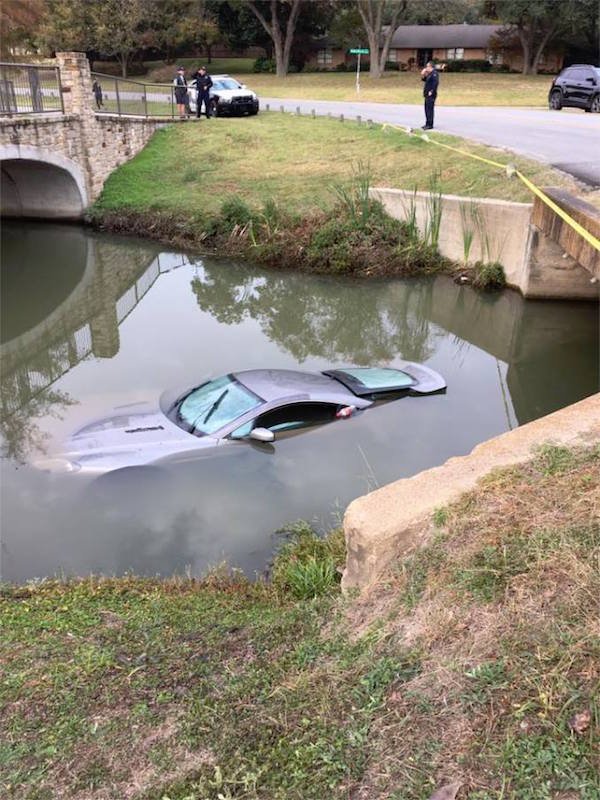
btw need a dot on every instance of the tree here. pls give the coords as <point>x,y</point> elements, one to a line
<point>171,25</point>
<point>535,23</point>
<point>65,25</point>
<point>380,20</point>
<point>118,28</point>
<point>279,19</point>
<point>240,27</point>
<point>207,35</point>
<point>19,20</point>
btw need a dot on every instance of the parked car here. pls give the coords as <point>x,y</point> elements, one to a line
<point>227,96</point>
<point>252,406</point>
<point>577,86</point>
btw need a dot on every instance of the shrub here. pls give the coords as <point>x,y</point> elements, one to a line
<point>263,64</point>
<point>235,211</point>
<point>342,67</point>
<point>468,65</point>
<point>500,68</point>
<point>488,276</point>
<point>392,66</point>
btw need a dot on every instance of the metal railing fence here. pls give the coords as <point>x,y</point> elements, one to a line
<point>113,95</point>
<point>29,89</point>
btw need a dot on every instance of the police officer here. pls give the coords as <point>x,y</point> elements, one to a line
<point>203,82</point>
<point>431,79</point>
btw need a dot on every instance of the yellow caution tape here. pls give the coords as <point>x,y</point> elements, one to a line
<point>510,170</point>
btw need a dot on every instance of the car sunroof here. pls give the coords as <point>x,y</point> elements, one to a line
<point>369,380</point>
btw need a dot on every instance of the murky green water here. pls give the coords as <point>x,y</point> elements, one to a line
<point>92,322</point>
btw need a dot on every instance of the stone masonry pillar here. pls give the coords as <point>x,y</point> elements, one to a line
<point>76,83</point>
<point>76,80</point>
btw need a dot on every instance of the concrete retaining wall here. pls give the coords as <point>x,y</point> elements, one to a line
<point>386,524</point>
<point>502,231</point>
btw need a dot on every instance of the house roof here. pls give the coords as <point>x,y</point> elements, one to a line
<point>432,36</point>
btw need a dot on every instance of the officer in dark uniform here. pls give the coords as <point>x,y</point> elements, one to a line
<point>203,82</point>
<point>431,79</point>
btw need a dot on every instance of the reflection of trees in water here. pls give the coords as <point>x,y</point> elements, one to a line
<point>357,322</point>
<point>20,435</point>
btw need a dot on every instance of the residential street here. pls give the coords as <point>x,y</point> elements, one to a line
<point>568,139</point>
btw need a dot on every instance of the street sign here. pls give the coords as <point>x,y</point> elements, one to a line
<point>358,51</point>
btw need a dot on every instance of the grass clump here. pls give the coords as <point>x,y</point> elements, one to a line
<point>308,565</point>
<point>488,276</point>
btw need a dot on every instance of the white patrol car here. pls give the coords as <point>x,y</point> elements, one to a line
<point>227,96</point>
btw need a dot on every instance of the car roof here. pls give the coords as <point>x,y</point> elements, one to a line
<point>278,384</point>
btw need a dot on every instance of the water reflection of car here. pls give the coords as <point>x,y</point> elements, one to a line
<point>251,407</point>
<point>227,96</point>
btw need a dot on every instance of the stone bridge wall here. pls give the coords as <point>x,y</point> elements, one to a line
<point>86,145</point>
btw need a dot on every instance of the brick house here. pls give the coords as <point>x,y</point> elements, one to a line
<point>413,45</point>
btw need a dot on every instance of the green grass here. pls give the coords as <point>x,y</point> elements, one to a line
<point>462,89</point>
<point>204,690</point>
<point>297,161</point>
<point>456,89</point>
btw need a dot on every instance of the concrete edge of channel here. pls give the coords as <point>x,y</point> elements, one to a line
<point>387,524</point>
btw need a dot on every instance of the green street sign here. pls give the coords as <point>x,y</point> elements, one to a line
<point>359,51</point>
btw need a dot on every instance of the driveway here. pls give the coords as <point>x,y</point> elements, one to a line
<point>568,139</point>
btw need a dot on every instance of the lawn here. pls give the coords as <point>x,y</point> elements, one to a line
<point>192,167</point>
<point>456,89</point>
<point>475,661</point>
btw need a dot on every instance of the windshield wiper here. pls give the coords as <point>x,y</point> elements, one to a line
<point>212,409</point>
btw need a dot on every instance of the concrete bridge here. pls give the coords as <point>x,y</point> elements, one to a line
<point>54,165</point>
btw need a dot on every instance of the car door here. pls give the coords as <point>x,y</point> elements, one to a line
<point>579,87</point>
<point>588,86</point>
<point>289,419</point>
<point>569,85</point>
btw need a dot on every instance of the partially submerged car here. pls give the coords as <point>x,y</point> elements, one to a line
<point>252,406</point>
<point>227,97</point>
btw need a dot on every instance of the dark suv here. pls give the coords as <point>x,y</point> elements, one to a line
<point>577,86</point>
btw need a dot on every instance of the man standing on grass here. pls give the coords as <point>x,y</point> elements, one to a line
<point>203,83</point>
<point>431,79</point>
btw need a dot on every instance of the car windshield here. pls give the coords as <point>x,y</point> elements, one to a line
<point>215,404</point>
<point>226,83</point>
<point>597,71</point>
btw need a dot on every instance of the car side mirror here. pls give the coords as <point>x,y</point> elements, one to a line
<point>262,435</point>
<point>591,80</point>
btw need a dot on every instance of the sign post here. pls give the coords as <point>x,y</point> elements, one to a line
<point>358,51</point>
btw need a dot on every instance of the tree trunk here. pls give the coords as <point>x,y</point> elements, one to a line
<point>542,46</point>
<point>526,47</point>
<point>282,47</point>
<point>388,37</point>
<point>209,53</point>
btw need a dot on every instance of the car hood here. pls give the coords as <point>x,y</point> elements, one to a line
<point>130,436</point>
<point>229,94</point>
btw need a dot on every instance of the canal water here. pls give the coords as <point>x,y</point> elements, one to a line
<point>92,322</point>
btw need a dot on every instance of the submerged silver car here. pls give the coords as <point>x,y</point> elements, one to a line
<point>252,406</point>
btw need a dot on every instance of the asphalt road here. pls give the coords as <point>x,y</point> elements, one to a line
<point>567,139</point>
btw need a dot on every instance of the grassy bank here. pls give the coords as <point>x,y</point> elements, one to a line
<point>293,191</point>
<point>295,161</point>
<point>476,661</point>
<point>456,89</point>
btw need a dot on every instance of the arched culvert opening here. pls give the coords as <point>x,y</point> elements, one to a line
<point>37,189</point>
